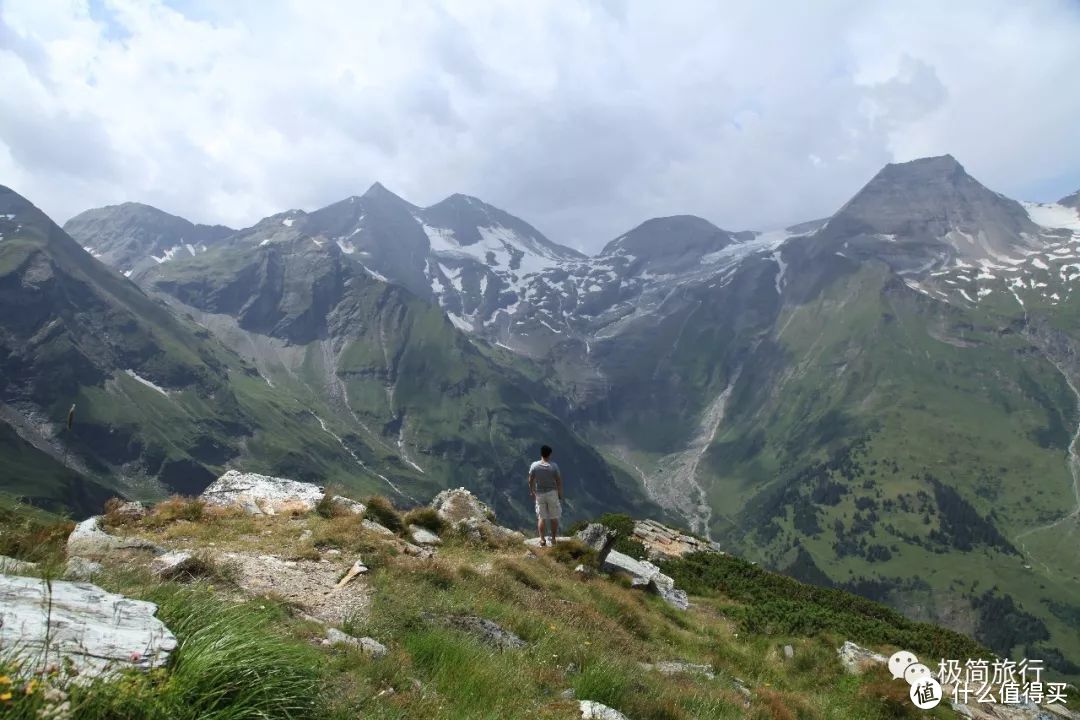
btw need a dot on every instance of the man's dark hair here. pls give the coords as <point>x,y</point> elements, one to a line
<point>545,452</point>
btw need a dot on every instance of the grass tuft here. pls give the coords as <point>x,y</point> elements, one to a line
<point>383,512</point>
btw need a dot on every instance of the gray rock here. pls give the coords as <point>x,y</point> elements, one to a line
<point>591,710</point>
<point>369,646</point>
<point>600,538</point>
<point>348,504</point>
<point>455,506</point>
<point>484,630</point>
<point>789,652</point>
<point>12,566</point>
<point>376,527</point>
<point>79,568</point>
<point>679,668</point>
<point>856,659</point>
<point>88,538</point>
<point>177,564</point>
<point>644,574</point>
<point>423,536</point>
<point>261,494</point>
<point>131,510</point>
<point>568,694</point>
<point>99,632</point>
<point>416,551</point>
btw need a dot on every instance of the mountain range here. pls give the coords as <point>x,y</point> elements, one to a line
<point>883,400</point>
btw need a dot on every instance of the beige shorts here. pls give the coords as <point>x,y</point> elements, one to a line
<point>548,506</point>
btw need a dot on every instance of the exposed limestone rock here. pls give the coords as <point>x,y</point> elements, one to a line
<point>376,527</point>
<point>177,564</point>
<point>369,646</point>
<point>423,536</point>
<point>679,668</point>
<point>591,710</point>
<point>11,566</point>
<point>348,504</point>
<point>89,539</point>
<point>644,574</point>
<point>599,537</point>
<point>856,659</point>
<point>456,506</point>
<point>99,632</point>
<point>664,543</point>
<point>79,568</point>
<point>261,494</point>
<point>484,630</point>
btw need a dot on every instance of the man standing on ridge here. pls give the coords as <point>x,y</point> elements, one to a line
<point>545,486</point>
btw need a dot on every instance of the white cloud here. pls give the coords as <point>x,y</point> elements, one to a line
<point>583,118</point>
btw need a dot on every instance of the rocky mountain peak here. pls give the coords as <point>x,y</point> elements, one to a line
<point>934,203</point>
<point>1072,201</point>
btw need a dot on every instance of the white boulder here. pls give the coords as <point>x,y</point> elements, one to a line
<point>591,710</point>
<point>261,494</point>
<point>423,536</point>
<point>98,632</point>
<point>88,538</point>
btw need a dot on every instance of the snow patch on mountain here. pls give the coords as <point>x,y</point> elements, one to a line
<point>1052,215</point>
<point>135,376</point>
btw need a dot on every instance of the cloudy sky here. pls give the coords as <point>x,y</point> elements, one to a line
<point>584,118</point>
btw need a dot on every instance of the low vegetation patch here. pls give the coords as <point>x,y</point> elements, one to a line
<point>383,512</point>
<point>426,518</point>
<point>777,604</point>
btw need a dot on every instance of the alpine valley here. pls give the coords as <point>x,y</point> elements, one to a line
<point>885,400</point>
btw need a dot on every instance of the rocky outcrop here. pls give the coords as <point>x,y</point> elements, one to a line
<point>856,659</point>
<point>97,632</point>
<point>465,512</point>
<point>79,568</point>
<point>460,506</point>
<point>178,565</point>
<point>486,631</point>
<point>12,566</point>
<point>664,543</point>
<point>348,505</point>
<point>423,536</point>
<point>598,537</point>
<point>644,574</point>
<point>679,668</point>
<point>591,710</point>
<point>89,539</point>
<point>261,494</point>
<point>369,646</point>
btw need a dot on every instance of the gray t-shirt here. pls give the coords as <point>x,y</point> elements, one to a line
<point>544,473</point>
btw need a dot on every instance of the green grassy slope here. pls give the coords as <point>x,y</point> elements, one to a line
<point>902,446</point>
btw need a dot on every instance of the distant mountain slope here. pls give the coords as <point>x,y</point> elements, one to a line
<point>374,386</point>
<point>883,400</point>
<point>132,236</point>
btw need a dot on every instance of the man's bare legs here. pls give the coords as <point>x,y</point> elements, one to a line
<point>540,529</point>
<point>554,530</point>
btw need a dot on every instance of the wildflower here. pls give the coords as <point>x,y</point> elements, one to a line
<point>31,686</point>
<point>5,697</point>
<point>5,680</point>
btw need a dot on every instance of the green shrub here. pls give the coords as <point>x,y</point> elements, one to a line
<point>573,552</point>
<point>427,518</point>
<point>779,605</point>
<point>383,512</point>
